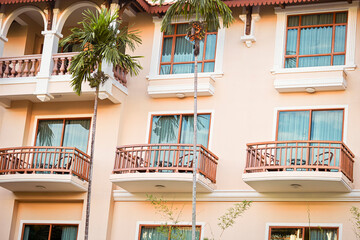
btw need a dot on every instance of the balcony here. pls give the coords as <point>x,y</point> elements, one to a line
<point>299,166</point>
<point>44,169</point>
<point>20,80</point>
<point>163,168</point>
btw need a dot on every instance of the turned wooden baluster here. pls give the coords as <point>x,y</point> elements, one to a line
<point>19,68</point>
<point>32,70</point>
<point>39,64</point>
<point>62,68</point>
<point>69,64</point>
<point>55,68</point>
<point>1,68</point>
<point>7,69</point>
<point>26,68</point>
<point>13,71</point>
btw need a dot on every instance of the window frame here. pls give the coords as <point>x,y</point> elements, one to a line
<point>154,73</point>
<point>174,36</point>
<point>310,118</point>
<point>159,225</point>
<point>50,225</point>
<point>281,35</point>
<point>304,227</point>
<point>180,122</point>
<point>63,128</point>
<point>299,27</point>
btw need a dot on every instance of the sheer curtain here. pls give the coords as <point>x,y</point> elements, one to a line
<point>327,126</point>
<point>152,233</point>
<point>292,125</point>
<point>76,133</point>
<point>323,234</point>
<point>49,133</point>
<point>69,233</point>
<point>187,130</point>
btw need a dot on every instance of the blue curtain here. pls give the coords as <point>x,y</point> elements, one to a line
<point>76,133</point>
<point>49,133</point>
<point>323,234</point>
<point>187,129</point>
<point>69,233</point>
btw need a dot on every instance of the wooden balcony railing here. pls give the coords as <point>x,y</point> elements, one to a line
<point>331,156</point>
<point>62,62</point>
<point>167,158</point>
<point>44,160</point>
<point>23,66</point>
<point>120,75</point>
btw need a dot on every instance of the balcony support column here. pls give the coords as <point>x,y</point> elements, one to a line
<point>51,42</point>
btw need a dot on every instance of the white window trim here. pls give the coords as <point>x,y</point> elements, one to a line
<point>345,107</point>
<point>212,112</point>
<point>22,222</point>
<point>44,117</point>
<point>138,223</point>
<point>335,225</point>
<point>156,55</point>
<point>280,41</point>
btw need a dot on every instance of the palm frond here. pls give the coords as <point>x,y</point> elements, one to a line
<point>102,37</point>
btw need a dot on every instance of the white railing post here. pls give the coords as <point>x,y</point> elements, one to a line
<point>50,46</point>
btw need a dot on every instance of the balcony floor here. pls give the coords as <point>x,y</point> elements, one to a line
<point>298,181</point>
<point>161,182</point>
<point>42,183</point>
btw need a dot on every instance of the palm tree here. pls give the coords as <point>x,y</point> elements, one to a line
<point>205,15</point>
<point>102,39</point>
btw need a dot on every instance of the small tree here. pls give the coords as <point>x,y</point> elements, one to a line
<point>355,212</point>
<point>102,39</point>
<point>173,215</point>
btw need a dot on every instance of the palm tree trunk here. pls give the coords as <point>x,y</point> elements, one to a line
<point>195,163</point>
<point>93,129</point>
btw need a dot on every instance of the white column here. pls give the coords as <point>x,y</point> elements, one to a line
<point>3,40</point>
<point>51,42</point>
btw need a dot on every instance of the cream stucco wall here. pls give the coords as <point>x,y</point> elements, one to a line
<point>242,109</point>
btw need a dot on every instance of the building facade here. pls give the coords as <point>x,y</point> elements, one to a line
<point>278,124</point>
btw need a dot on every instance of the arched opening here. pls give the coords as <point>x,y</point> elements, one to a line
<point>24,35</point>
<point>72,21</point>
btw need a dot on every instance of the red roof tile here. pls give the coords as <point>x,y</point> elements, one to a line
<point>21,1</point>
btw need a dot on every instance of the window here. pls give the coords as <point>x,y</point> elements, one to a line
<point>63,132</point>
<point>319,125</point>
<point>316,40</point>
<point>303,233</point>
<point>49,232</point>
<point>177,52</point>
<point>179,129</point>
<point>167,232</point>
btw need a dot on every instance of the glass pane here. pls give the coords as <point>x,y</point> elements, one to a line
<point>153,233</point>
<point>165,69</point>
<point>62,232</point>
<point>165,129</point>
<point>209,67</point>
<point>183,50</point>
<point>339,60</point>
<point>291,42</point>
<point>315,40</point>
<point>290,63</point>
<point>293,125</point>
<point>184,233</point>
<point>210,46</point>
<point>317,19</point>
<point>185,68</point>
<point>201,52</point>
<point>314,61</point>
<point>286,233</point>
<point>187,129</point>
<point>340,32</point>
<point>166,51</point>
<point>36,232</point>
<point>341,17</point>
<point>293,21</point>
<point>182,28</point>
<point>76,134</point>
<point>321,233</point>
<point>170,30</point>
<point>49,133</point>
<point>327,125</point>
